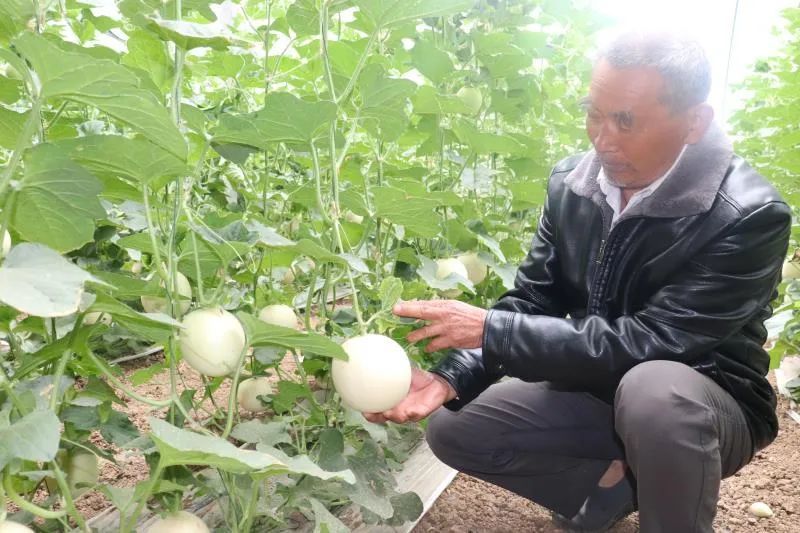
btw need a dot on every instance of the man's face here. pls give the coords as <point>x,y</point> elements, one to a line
<point>636,136</point>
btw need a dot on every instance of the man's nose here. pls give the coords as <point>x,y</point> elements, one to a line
<point>605,139</point>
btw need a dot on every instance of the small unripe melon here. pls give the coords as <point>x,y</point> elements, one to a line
<point>180,522</point>
<point>249,391</point>
<point>156,304</point>
<point>7,526</point>
<point>476,268</point>
<point>791,270</point>
<point>279,315</point>
<point>445,267</point>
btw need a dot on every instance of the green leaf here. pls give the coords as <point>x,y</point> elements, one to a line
<point>14,17</point>
<point>103,84</point>
<point>284,118</point>
<point>390,291</point>
<point>189,35</point>
<point>303,17</point>
<point>385,99</point>
<point>331,450</point>
<point>416,214</point>
<point>10,90</point>
<point>34,437</point>
<point>301,464</point>
<point>137,160</point>
<point>255,431</point>
<point>118,429</point>
<point>407,508</point>
<point>428,101</point>
<point>154,327</point>
<point>431,61</point>
<point>149,54</point>
<point>183,447</point>
<point>36,280</point>
<point>11,126</point>
<point>57,204</point>
<point>486,143</point>
<point>260,333</point>
<point>385,13</point>
<point>324,521</point>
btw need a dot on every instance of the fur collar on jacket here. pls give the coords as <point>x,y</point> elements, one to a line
<point>688,190</point>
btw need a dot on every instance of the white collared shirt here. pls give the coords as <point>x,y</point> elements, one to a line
<point>613,193</point>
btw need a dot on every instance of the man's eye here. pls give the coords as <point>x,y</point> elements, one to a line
<point>624,121</point>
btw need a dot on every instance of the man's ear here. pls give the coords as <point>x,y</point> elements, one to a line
<point>700,118</point>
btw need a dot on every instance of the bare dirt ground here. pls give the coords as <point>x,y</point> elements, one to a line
<point>470,505</point>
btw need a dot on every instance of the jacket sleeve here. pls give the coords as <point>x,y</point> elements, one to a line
<point>717,293</point>
<point>535,292</point>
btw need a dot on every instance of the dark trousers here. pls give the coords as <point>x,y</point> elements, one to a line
<point>677,430</point>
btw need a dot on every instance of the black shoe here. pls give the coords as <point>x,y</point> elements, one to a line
<point>602,509</point>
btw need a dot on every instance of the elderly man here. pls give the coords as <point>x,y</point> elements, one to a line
<point>634,332</point>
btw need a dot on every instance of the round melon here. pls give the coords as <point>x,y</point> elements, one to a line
<point>279,315</point>
<point>249,391</point>
<point>477,270</point>
<point>445,267</point>
<point>156,304</point>
<point>212,341</point>
<point>377,375</point>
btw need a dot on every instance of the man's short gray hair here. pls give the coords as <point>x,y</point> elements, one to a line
<point>680,60</point>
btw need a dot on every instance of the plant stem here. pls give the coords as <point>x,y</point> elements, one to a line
<point>25,505</point>
<point>22,142</point>
<point>67,494</point>
<point>121,386</point>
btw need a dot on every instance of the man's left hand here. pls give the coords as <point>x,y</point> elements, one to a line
<point>452,324</point>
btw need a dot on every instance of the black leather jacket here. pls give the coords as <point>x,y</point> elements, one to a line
<point>686,275</point>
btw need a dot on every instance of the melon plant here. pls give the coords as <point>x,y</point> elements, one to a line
<point>238,150</point>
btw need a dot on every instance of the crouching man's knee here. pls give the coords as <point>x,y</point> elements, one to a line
<point>654,405</point>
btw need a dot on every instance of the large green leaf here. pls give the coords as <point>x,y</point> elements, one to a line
<point>482,142</point>
<point>183,447</point>
<point>189,35</point>
<point>104,84</point>
<point>34,437</point>
<point>385,99</point>
<point>417,214</point>
<point>14,16</point>
<point>155,327</point>
<point>36,280</point>
<point>301,464</point>
<point>260,333</point>
<point>431,61</point>
<point>284,118</point>
<point>385,13</point>
<point>149,54</point>
<point>11,125</point>
<point>427,100</point>
<point>57,204</point>
<point>137,160</point>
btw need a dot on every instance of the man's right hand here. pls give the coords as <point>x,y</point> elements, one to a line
<point>427,393</point>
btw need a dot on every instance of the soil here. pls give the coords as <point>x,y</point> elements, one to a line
<point>470,505</point>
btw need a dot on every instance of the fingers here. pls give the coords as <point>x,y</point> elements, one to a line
<point>425,310</point>
<point>432,330</point>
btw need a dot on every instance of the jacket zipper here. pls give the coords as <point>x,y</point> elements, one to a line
<point>601,255</point>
